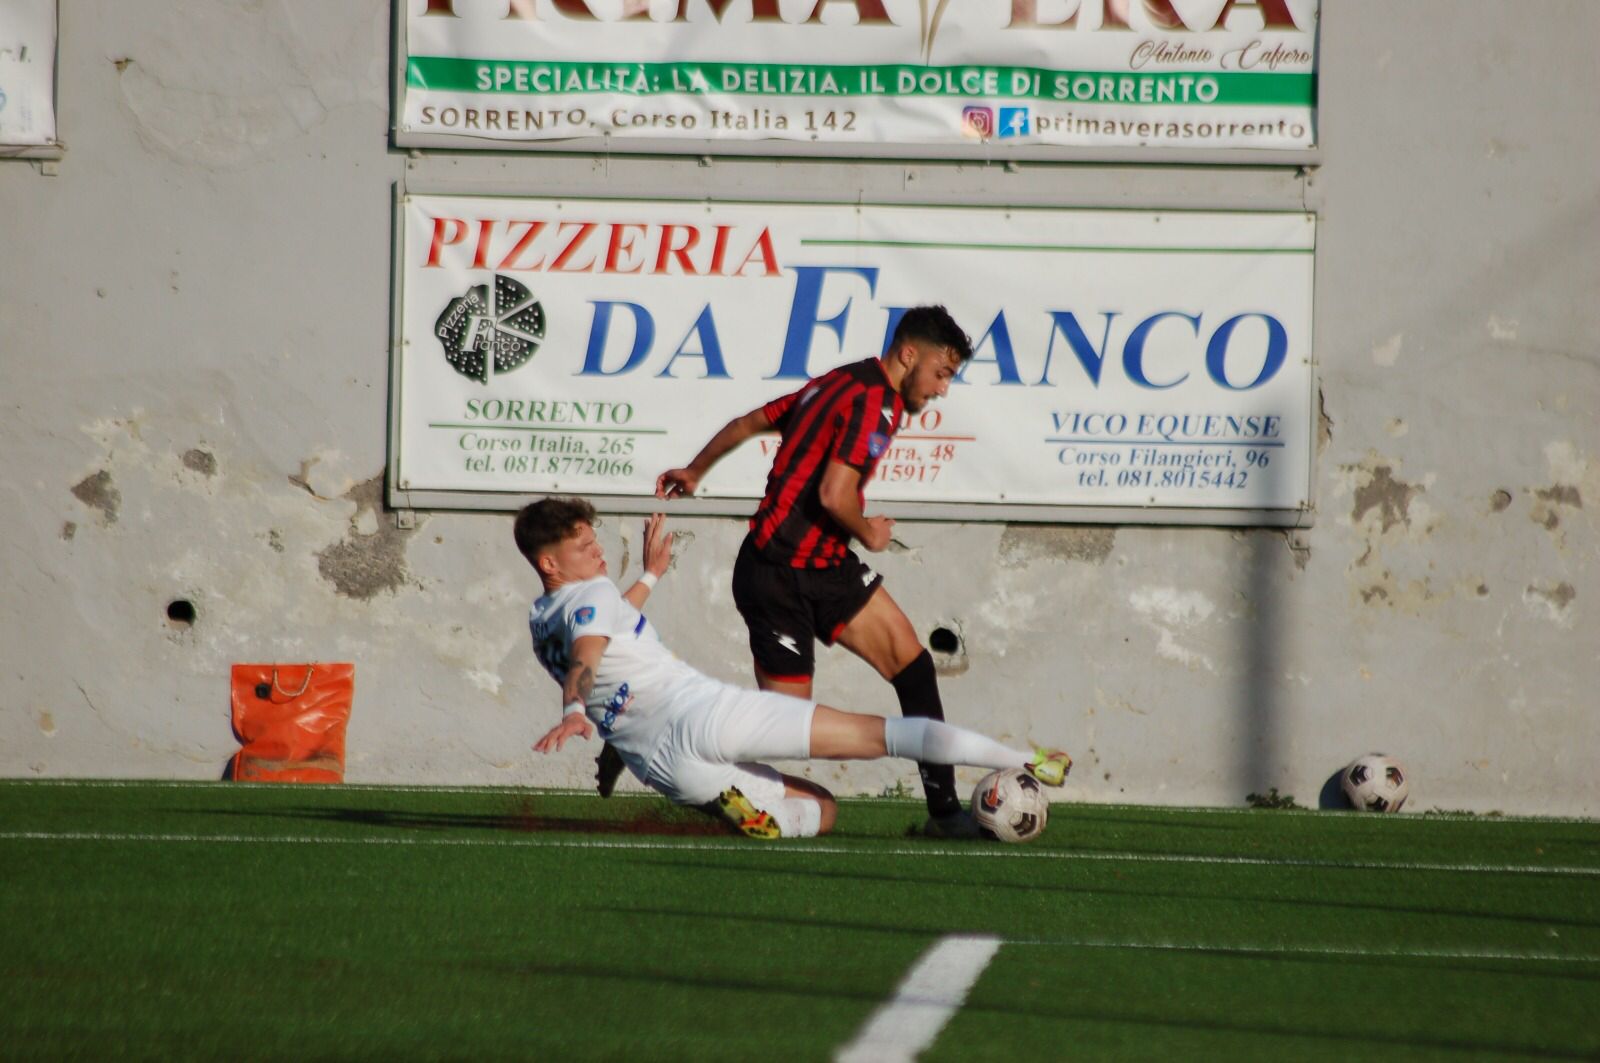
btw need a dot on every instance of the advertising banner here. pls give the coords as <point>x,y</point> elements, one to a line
<point>863,75</point>
<point>1122,358</point>
<point>27,73</point>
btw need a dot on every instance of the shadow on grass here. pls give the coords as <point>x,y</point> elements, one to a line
<point>768,989</point>
<point>982,879</point>
<point>525,819</point>
<point>1063,815</point>
<point>1343,961</point>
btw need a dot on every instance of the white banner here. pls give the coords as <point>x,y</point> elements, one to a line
<point>27,73</point>
<point>1123,358</point>
<point>1187,74</point>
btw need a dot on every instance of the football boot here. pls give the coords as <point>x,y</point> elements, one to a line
<point>745,817</point>
<point>1049,766</point>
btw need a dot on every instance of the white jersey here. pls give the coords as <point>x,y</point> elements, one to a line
<point>640,685</point>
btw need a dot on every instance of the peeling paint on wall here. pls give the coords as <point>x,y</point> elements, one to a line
<point>1571,473</point>
<point>1551,603</point>
<point>1387,511</point>
<point>1548,501</point>
<point>200,461</point>
<point>1299,547</point>
<point>98,493</point>
<point>1022,544</point>
<point>181,419</point>
<point>320,477</point>
<point>1166,608</point>
<point>1324,422</point>
<point>1387,353</point>
<point>370,559</point>
<point>1391,498</point>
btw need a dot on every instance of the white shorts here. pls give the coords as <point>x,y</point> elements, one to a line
<point>706,751</point>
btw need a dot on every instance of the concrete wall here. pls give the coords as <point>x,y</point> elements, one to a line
<point>194,328</point>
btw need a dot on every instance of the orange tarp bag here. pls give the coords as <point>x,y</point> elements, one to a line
<point>291,720</point>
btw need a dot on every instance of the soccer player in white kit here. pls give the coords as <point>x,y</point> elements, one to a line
<point>695,739</point>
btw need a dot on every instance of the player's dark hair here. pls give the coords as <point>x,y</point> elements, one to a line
<point>546,522</point>
<point>932,324</point>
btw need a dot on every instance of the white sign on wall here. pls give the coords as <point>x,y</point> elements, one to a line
<point>1123,358</point>
<point>863,74</point>
<point>27,73</point>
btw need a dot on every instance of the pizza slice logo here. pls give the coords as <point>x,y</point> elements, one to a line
<point>489,331</point>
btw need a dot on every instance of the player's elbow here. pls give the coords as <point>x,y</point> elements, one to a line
<point>752,423</point>
<point>836,498</point>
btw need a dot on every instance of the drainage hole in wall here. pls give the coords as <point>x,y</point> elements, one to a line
<point>943,640</point>
<point>180,613</point>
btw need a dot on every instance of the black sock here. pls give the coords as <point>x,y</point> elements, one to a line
<point>917,687</point>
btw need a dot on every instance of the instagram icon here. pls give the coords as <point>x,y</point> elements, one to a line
<point>977,121</point>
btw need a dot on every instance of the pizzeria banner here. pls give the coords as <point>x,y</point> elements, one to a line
<point>868,76</point>
<point>1122,358</point>
<point>27,73</point>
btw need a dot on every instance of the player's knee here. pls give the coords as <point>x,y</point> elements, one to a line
<point>806,790</point>
<point>904,645</point>
<point>830,812</point>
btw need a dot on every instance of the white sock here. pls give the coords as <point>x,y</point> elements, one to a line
<point>936,742</point>
<point>797,817</point>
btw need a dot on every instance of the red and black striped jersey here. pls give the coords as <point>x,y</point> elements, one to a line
<point>847,415</point>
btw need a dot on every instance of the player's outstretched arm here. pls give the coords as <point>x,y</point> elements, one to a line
<point>657,559</point>
<point>681,483</point>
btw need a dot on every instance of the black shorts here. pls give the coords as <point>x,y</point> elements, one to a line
<point>788,608</point>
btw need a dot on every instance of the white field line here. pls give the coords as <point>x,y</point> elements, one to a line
<point>923,1002</point>
<point>733,845</point>
<point>1295,950</point>
<point>532,791</point>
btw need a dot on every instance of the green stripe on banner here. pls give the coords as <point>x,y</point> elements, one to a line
<point>1089,249</point>
<point>534,78</point>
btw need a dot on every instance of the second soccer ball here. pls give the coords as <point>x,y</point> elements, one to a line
<point>1375,783</point>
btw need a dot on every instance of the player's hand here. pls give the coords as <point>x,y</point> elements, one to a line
<point>657,544</point>
<point>879,531</point>
<point>571,725</point>
<point>677,483</point>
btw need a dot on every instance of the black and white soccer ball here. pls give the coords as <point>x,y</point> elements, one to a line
<point>1011,805</point>
<point>1375,783</point>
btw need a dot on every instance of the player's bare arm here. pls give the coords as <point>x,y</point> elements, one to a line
<point>840,495</point>
<point>681,483</point>
<point>586,653</point>
<point>657,559</point>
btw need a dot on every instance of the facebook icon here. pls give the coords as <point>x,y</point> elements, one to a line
<point>1013,122</point>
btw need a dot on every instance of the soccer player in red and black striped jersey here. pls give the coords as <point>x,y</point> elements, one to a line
<point>796,579</point>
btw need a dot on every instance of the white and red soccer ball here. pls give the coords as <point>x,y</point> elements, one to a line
<point>1011,805</point>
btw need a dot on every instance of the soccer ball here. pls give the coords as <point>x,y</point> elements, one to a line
<point>1375,783</point>
<point>1011,805</point>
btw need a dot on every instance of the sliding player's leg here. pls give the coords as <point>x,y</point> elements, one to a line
<point>838,735</point>
<point>749,725</point>
<point>760,802</point>
<point>701,762</point>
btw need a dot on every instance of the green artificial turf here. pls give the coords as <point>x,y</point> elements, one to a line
<point>168,921</point>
